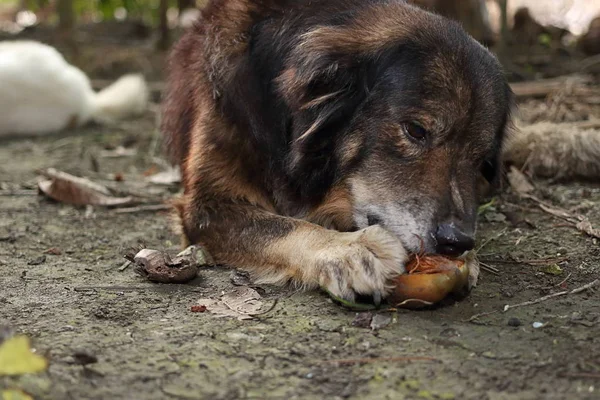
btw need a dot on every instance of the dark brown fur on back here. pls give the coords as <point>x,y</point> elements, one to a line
<point>292,123</point>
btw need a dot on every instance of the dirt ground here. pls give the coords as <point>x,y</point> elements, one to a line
<point>138,339</point>
<point>146,343</point>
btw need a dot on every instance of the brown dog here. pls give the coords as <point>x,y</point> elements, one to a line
<point>321,141</point>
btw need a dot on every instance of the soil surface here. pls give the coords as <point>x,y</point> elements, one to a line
<point>111,334</point>
<point>148,344</point>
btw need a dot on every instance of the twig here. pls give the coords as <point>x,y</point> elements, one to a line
<point>145,208</point>
<point>557,212</point>
<point>351,361</point>
<point>125,265</point>
<point>581,375</point>
<point>553,295</point>
<point>483,314</point>
<point>561,282</point>
<point>543,87</point>
<point>589,62</point>
<point>23,192</point>
<point>489,268</point>
<point>578,222</point>
<point>534,262</point>
<point>266,311</point>
<point>489,240</point>
<point>134,288</point>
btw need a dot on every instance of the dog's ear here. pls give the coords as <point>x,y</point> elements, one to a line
<point>323,90</point>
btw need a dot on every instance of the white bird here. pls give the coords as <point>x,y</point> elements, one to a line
<point>40,92</point>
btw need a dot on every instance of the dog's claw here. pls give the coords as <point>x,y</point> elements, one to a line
<point>377,297</point>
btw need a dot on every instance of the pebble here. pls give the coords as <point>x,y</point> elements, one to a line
<point>537,325</point>
<point>514,322</point>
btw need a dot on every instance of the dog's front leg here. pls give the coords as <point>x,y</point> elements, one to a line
<point>277,249</point>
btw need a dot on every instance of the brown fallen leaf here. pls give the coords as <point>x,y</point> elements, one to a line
<point>586,227</point>
<point>242,303</point>
<point>55,251</point>
<point>70,189</point>
<point>557,212</point>
<point>518,181</point>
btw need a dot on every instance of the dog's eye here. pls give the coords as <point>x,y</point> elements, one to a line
<point>415,131</point>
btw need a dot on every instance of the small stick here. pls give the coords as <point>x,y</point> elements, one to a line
<point>23,192</point>
<point>581,375</point>
<point>146,208</point>
<point>489,240</point>
<point>540,261</point>
<point>561,282</point>
<point>489,268</point>
<point>125,265</point>
<point>266,311</point>
<point>553,295</point>
<point>483,314</point>
<point>351,361</point>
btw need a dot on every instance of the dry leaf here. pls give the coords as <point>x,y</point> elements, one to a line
<point>380,321</point>
<point>16,357</point>
<point>242,303</point>
<point>557,212</point>
<point>586,226</point>
<point>70,189</point>
<point>474,270</point>
<point>519,182</point>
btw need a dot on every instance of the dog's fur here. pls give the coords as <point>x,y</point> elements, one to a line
<point>290,120</point>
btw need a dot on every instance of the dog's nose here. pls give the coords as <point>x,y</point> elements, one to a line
<point>452,241</point>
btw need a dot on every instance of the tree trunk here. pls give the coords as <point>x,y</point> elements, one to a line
<point>163,25</point>
<point>66,16</point>
<point>185,4</point>
<point>503,23</point>
<point>472,14</point>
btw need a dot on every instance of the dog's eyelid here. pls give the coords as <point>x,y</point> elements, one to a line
<point>415,131</point>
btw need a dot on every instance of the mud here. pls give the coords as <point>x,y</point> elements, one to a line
<point>149,345</point>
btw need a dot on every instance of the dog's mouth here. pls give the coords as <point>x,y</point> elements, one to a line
<point>420,243</point>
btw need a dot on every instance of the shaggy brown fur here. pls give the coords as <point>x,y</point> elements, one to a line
<point>321,141</point>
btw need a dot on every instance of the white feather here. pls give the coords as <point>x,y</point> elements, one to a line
<point>40,92</point>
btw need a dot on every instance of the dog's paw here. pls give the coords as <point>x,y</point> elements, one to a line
<point>361,263</point>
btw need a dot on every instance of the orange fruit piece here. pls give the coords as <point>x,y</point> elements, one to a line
<point>430,279</point>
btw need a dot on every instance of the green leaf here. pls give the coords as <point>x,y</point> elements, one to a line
<point>484,207</point>
<point>15,394</point>
<point>16,357</point>
<point>553,269</point>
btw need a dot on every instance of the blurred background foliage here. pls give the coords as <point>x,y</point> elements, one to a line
<point>101,10</point>
<point>529,36</point>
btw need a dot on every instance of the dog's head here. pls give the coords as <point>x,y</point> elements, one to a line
<point>408,110</point>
